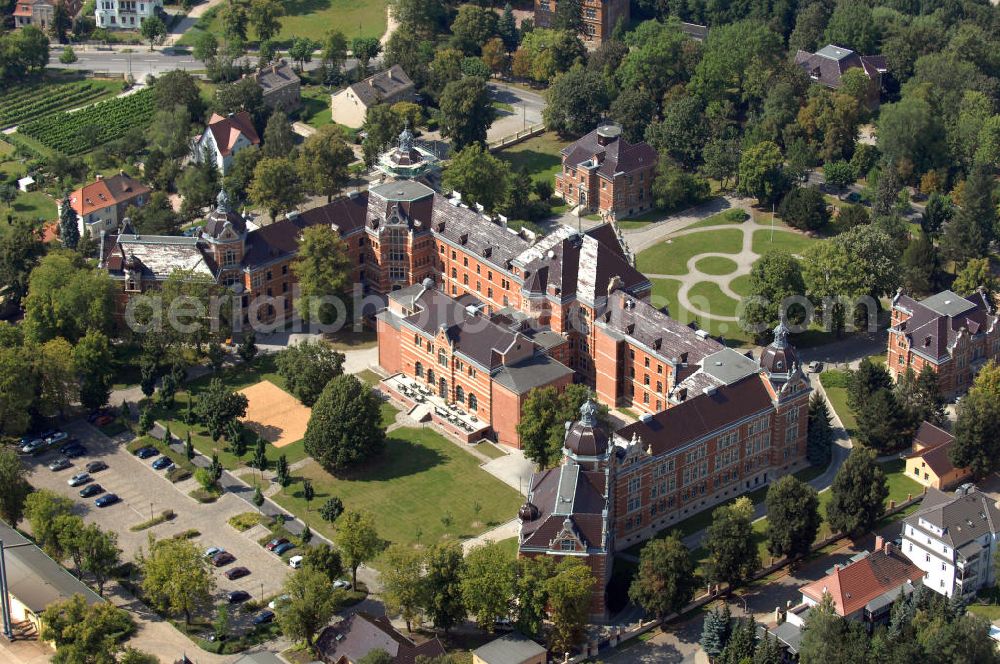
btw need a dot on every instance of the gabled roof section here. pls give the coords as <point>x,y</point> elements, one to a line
<point>105,192</point>
<point>936,321</point>
<point>227,130</point>
<point>360,633</point>
<point>963,516</point>
<point>281,239</point>
<point>567,494</point>
<point>614,157</point>
<point>382,85</point>
<point>855,585</point>
<point>936,444</point>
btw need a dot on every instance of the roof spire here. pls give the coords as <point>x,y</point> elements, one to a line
<point>588,413</point>
<point>780,335</point>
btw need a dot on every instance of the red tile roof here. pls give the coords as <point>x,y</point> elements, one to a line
<point>106,192</point>
<point>853,586</point>
<point>227,130</point>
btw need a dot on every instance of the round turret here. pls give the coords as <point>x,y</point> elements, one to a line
<point>585,438</point>
<point>528,512</point>
<point>779,359</point>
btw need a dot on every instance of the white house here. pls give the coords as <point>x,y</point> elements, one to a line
<point>953,537</point>
<point>224,137</point>
<point>100,206</point>
<point>125,14</point>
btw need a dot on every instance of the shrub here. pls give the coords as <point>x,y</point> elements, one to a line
<point>246,520</point>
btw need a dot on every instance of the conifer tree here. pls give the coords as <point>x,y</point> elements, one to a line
<point>69,231</point>
<point>819,438</point>
<point>715,632</point>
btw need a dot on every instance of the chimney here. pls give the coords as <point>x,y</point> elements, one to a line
<point>100,177</point>
<point>388,73</point>
<point>879,542</point>
<point>887,548</point>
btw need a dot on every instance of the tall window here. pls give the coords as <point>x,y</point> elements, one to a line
<point>459,394</point>
<point>442,358</point>
<point>419,370</point>
<point>473,402</point>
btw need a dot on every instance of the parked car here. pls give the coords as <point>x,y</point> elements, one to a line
<point>104,420</point>
<point>238,596</point>
<point>340,584</point>
<point>212,551</point>
<point>295,562</point>
<point>263,617</point>
<point>237,573</point>
<point>73,450</point>
<point>283,548</point>
<point>107,499</point>
<point>91,490</point>
<point>146,452</point>
<point>273,604</point>
<point>815,367</point>
<point>222,558</point>
<point>57,437</point>
<point>96,466</point>
<point>33,446</point>
<point>79,479</point>
<point>276,542</point>
<point>162,462</point>
<point>60,464</point>
<point>97,413</point>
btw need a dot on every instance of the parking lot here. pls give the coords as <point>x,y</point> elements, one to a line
<point>145,492</point>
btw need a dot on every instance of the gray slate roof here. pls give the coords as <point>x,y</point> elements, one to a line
<point>276,76</point>
<point>936,321</point>
<point>513,648</point>
<point>536,371</point>
<point>383,85</point>
<point>619,156</point>
<point>828,65</point>
<point>962,517</point>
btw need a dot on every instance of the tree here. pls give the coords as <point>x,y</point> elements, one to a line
<point>376,656</point>
<point>632,109</point>
<point>132,655</point>
<point>334,53</point>
<point>14,487</point>
<point>247,349</point>
<point>276,186</point>
<point>301,50</point>
<point>733,62</point>
<point>308,367</point>
<point>331,509</point>
<point>218,405</point>
<point>869,378</point>
<point>761,173</point>
<point>312,601</point>
<point>655,59</point>
<point>265,18</point>
<point>20,248</point>
<point>742,641</point>
<point>443,601</point>
<point>279,139</point>
<point>179,87</point>
<point>98,554</point>
<point>910,132</point>
<point>176,577</point>
<point>364,49</point>
<point>569,593</point>
<point>156,217</point>
<point>882,424</point>
<point>467,111</point>
<point>569,16</point>
<point>345,427</point>
<point>66,297</point>
<point>94,365</point>
<point>838,173</point>
<point>858,494</point>
<point>819,435</point>
<point>675,189</point>
<point>241,95</point>
<point>43,509</point>
<point>715,631</point>
<point>61,22</point>
<point>403,587</point>
<point>357,540</point>
<point>936,214</point>
<point>804,208</point>
<point>792,517</point>
<point>919,396</point>
<point>775,278</point>
<point>488,584</point>
<point>323,270</point>
<point>323,161</point>
<point>472,28</point>
<point>281,471</point>
<point>198,185</point>
<point>383,127</point>
<point>831,639</point>
<point>424,17</point>
<point>69,229</point>
<point>921,267</point>
<point>543,417</point>
<point>975,275</point>
<point>235,16</point>
<point>481,177</point>
<point>977,433</point>
<point>575,102</point>
<point>683,132</point>
<point>665,582</point>
<point>154,30</point>
<point>732,553</point>
<point>324,558</point>
<point>507,29</point>
<point>206,47</point>
<point>85,633</point>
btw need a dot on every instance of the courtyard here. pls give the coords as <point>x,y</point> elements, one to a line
<point>275,415</point>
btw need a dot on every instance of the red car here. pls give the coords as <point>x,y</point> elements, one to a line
<point>237,573</point>
<point>104,420</point>
<point>223,558</point>
<point>273,544</point>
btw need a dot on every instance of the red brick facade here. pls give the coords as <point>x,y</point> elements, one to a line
<point>599,16</point>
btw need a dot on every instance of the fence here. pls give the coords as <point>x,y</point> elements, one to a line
<point>514,139</point>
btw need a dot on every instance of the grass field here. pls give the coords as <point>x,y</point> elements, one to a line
<point>793,243</point>
<point>835,384</point>
<point>708,297</point>
<point>716,265</point>
<point>672,257</point>
<point>538,156</point>
<point>733,216</point>
<point>315,106</point>
<point>665,294</point>
<point>420,481</point>
<point>741,285</point>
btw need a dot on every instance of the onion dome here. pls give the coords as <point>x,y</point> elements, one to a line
<point>779,359</point>
<point>585,438</point>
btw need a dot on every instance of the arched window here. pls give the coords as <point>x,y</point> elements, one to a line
<point>442,357</point>
<point>459,394</point>
<point>419,370</point>
<point>473,402</point>
<point>430,376</point>
<point>443,389</point>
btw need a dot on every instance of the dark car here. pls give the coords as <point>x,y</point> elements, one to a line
<point>104,420</point>
<point>263,617</point>
<point>60,464</point>
<point>70,444</point>
<point>95,466</point>
<point>73,451</point>
<point>107,499</point>
<point>238,596</point>
<point>146,452</point>
<point>276,542</point>
<point>223,558</point>
<point>91,490</point>
<point>282,548</point>
<point>237,573</point>
<point>162,462</point>
<point>97,414</point>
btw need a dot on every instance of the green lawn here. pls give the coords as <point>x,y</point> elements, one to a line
<point>732,216</point>
<point>716,265</point>
<point>538,156</point>
<point>741,285</point>
<point>421,478</point>
<point>490,450</point>
<point>671,257</point>
<point>314,18</point>
<point>510,546</point>
<point>708,297</point>
<point>665,294</point>
<point>315,106</point>
<point>34,205</point>
<point>793,243</point>
<point>835,384</point>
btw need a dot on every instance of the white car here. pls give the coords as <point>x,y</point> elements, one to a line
<point>33,446</point>
<point>211,551</point>
<point>815,367</point>
<point>57,437</point>
<point>295,562</point>
<point>340,584</point>
<point>78,479</point>
<point>273,604</point>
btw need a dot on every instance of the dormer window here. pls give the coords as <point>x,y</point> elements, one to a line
<point>567,545</point>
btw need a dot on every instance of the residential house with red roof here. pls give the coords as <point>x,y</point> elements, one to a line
<point>39,13</point>
<point>953,335</point>
<point>101,205</point>
<point>224,137</point>
<point>602,172</point>
<point>929,463</point>
<point>350,640</point>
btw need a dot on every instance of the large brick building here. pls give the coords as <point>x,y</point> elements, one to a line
<point>951,334</point>
<point>600,17</point>
<point>603,172</point>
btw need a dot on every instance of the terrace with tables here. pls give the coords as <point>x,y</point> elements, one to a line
<point>423,403</point>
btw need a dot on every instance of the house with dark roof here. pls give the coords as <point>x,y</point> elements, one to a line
<point>512,648</point>
<point>223,138</point>
<point>953,335</point>
<point>100,206</point>
<point>350,105</point>
<point>280,86</point>
<point>929,463</point>
<point>602,172</point>
<point>828,65</point>
<point>953,538</point>
<point>352,639</point>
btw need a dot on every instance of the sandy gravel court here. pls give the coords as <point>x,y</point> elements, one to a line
<point>274,414</point>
